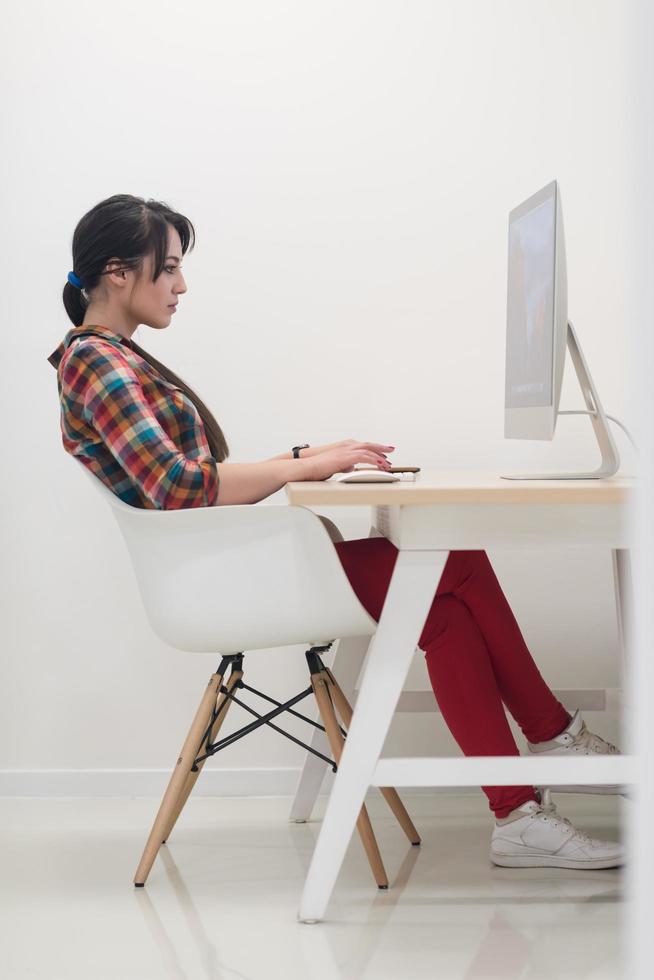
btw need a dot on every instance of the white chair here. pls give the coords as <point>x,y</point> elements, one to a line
<point>228,579</point>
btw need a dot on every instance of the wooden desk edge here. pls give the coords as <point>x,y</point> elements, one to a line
<point>413,494</point>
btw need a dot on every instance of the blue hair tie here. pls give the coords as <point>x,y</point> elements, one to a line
<point>74,280</point>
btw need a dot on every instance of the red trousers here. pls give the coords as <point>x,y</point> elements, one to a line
<point>476,656</point>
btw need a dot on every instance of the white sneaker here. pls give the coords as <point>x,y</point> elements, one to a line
<point>577,740</point>
<point>542,838</point>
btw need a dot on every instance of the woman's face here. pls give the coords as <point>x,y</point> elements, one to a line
<point>153,303</point>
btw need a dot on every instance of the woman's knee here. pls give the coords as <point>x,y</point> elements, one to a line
<point>466,564</point>
<point>474,558</point>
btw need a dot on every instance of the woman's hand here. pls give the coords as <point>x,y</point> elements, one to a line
<point>343,444</point>
<point>341,457</point>
<point>355,444</point>
<point>346,444</point>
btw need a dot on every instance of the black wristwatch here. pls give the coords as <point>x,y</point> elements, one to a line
<point>296,450</point>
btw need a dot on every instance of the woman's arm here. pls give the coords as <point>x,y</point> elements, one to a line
<point>343,443</point>
<point>247,483</point>
<point>113,403</point>
<point>310,451</point>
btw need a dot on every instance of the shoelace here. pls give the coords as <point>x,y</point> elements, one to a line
<point>593,743</point>
<point>549,809</point>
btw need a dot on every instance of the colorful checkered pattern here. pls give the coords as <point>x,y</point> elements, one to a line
<point>134,430</point>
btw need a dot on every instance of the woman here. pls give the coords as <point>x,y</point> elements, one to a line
<point>151,439</point>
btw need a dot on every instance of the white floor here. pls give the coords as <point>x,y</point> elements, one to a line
<point>222,897</point>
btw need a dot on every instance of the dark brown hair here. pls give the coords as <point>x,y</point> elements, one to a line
<point>129,228</point>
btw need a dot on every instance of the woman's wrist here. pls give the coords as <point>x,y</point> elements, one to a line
<point>309,451</point>
<point>303,453</point>
<point>297,470</point>
<point>315,450</point>
<point>303,469</point>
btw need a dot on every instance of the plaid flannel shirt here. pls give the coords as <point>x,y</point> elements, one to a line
<point>137,432</point>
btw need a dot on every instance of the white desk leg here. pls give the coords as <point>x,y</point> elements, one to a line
<point>348,660</point>
<point>623,602</point>
<point>415,579</point>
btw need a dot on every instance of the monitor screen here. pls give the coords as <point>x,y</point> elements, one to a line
<point>530,307</point>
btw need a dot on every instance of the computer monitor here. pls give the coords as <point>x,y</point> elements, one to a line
<point>537,316</point>
<point>538,330</point>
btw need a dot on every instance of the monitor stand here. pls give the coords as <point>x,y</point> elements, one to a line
<point>610,458</point>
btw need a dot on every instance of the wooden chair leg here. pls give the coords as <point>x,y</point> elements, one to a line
<point>347,662</point>
<point>178,779</point>
<point>390,794</point>
<point>320,684</point>
<point>234,677</point>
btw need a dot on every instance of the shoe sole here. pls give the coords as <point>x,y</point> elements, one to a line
<point>551,861</point>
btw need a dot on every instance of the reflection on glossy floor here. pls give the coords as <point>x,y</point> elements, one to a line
<point>222,897</point>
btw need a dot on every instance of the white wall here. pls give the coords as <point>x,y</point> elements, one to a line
<point>639,939</point>
<point>349,168</point>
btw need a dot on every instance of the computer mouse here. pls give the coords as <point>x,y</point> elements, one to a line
<point>366,476</point>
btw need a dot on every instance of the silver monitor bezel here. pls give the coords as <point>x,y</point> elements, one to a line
<point>539,422</point>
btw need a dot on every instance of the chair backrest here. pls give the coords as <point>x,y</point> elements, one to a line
<point>239,577</point>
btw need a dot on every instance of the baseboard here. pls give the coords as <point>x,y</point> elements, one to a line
<point>152,782</point>
<point>145,782</point>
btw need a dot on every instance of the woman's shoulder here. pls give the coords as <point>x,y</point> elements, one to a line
<point>90,356</point>
<point>91,348</point>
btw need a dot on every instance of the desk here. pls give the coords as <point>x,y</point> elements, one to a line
<point>426,519</point>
